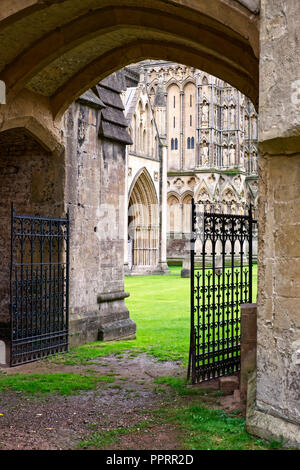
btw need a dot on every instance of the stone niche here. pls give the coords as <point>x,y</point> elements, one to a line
<point>32,179</point>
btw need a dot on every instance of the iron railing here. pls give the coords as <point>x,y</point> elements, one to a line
<point>39,287</point>
<point>221,280</point>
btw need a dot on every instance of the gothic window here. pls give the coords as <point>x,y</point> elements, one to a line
<point>191,120</point>
<point>152,95</point>
<point>191,100</point>
<point>247,162</point>
<point>176,144</point>
<point>192,143</point>
<point>172,144</point>
<point>253,128</point>
<point>140,137</point>
<point>134,133</point>
<point>174,122</point>
<point>219,117</point>
<point>189,143</point>
<point>174,101</point>
<point>156,147</point>
<point>246,127</point>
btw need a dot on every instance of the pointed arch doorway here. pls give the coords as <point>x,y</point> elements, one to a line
<point>143,226</point>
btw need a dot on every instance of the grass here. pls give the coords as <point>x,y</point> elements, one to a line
<point>180,386</point>
<point>209,429</point>
<point>203,428</point>
<point>199,428</point>
<point>102,439</point>
<point>58,383</point>
<point>160,306</point>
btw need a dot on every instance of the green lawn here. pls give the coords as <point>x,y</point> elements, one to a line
<point>57,383</point>
<point>160,306</point>
<point>201,428</point>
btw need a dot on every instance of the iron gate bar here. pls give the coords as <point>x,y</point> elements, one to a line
<point>217,290</point>
<point>192,244</point>
<point>39,287</point>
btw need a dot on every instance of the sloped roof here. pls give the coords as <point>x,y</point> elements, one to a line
<point>91,99</point>
<point>131,99</point>
<point>113,125</point>
<point>106,97</point>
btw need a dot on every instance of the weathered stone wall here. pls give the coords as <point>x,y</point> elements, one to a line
<point>33,180</point>
<point>112,193</point>
<point>178,248</point>
<point>95,194</point>
<point>279,74</point>
<point>278,372</point>
<point>83,196</point>
<point>86,173</point>
<point>275,412</point>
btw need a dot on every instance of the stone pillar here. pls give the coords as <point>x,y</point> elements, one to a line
<point>4,353</point>
<point>163,151</point>
<point>180,218</point>
<point>248,345</point>
<point>115,321</point>
<point>181,132</point>
<point>95,188</point>
<point>197,105</point>
<point>276,409</point>
<point>125,212</point>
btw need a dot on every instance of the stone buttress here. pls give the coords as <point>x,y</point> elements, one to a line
<point>96,138</point>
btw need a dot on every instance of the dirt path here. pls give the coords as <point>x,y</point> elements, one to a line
<point>61,422</point>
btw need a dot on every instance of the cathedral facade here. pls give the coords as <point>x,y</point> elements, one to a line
<point>209,130</point>
<point>146,182</point>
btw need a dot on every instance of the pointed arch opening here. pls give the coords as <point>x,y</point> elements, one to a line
<point>143,223</point>
<point>186,214</point>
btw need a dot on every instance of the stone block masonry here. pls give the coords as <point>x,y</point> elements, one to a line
<point>31,178</point>
<point>95,186</point>
<point>228,384</point>
<point>248,346</point>
<point>274,411</point>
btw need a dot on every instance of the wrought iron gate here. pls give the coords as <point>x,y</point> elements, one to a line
<point>221,280</point>
<point>39,286</point>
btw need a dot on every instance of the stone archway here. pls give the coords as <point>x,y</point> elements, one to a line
<point>53,51</point>
<point>186,214</point>
<point>46,61</point>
